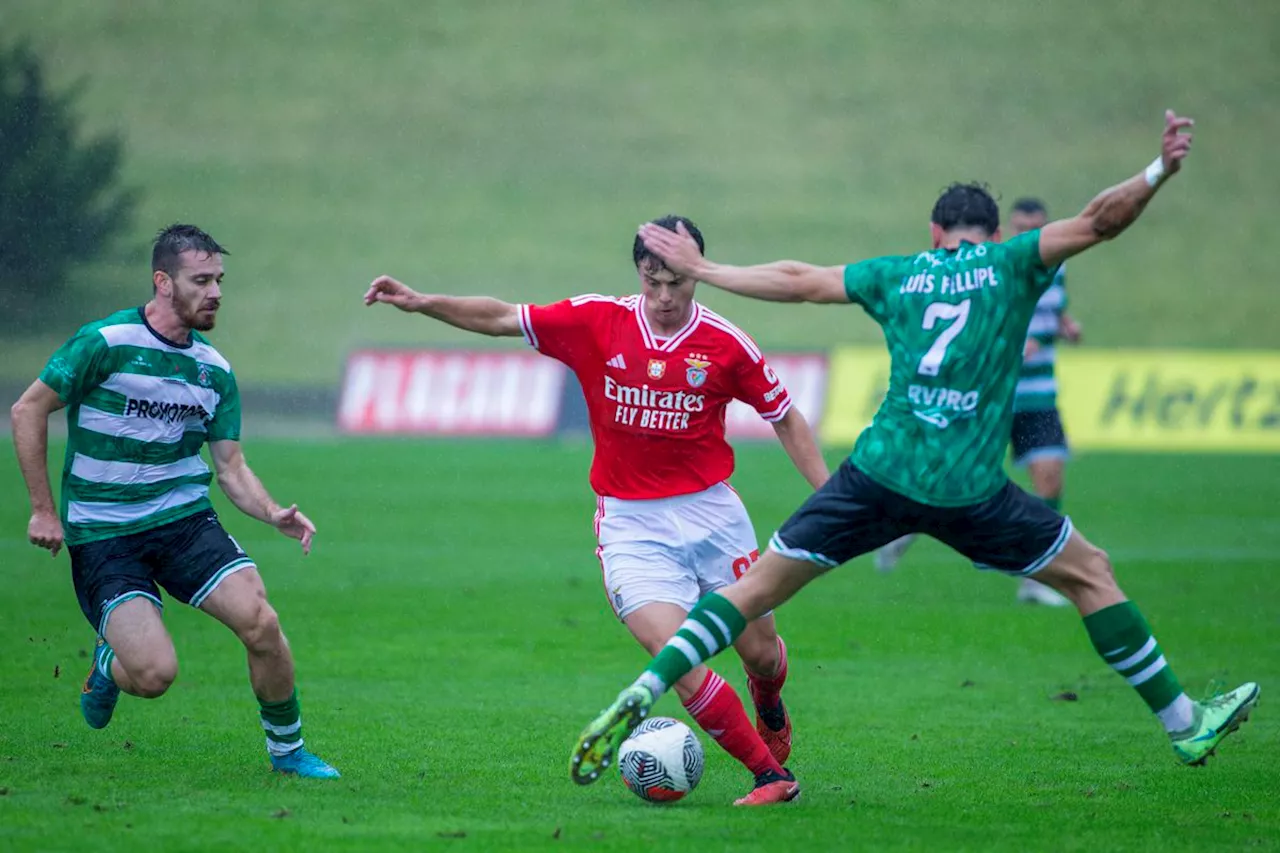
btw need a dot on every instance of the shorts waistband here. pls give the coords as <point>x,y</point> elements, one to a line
<point>619,506</point>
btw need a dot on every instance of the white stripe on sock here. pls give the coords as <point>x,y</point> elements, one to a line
<point>282,731</point>
<point>697,629</point>
<point>1179,715</point>
<point>724,629</point>
<point>710,689</point>
<point>652,683</point>
<point>279,749</point>
<point>1148,673</point>
<point>686,648</point>
<point>1135,659</point>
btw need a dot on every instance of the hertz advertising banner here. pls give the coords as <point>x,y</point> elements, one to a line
<point>1182,400</point>
<point>1143,400</point>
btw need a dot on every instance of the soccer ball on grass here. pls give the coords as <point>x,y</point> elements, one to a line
<point>662,760</point>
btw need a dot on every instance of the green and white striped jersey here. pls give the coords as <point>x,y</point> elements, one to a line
<point>1037,389</point>
<point>139,408</point>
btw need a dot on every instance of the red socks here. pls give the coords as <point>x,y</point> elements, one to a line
<point>718,710</point>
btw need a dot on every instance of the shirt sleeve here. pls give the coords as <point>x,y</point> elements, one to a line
<point>77,367</point>
<point>867,282</point>
<point>761,389</point>
<point>563,330</point>
<point>1022,258</point>
<point>225,425</point>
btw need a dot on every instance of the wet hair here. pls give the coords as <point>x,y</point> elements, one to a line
<point>1029,206</point>
<point>171,242</point>
<point>640,253</point>
<point>966,206</point>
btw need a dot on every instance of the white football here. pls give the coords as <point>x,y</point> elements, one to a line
<point>662,760</point>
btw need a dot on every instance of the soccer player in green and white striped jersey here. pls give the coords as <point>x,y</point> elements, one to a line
<point>1038,440</point>
<point>144,390</point>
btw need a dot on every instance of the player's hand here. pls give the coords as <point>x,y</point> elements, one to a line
<point>386,289</point>
<point>45,531</point>
<point>1030,348</point>
<point>1174,144</point>
<point>678,250</point>
<point>295,525</point>
<point>1068,329</point>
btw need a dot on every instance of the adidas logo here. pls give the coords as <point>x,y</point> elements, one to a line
<point>617,361</point>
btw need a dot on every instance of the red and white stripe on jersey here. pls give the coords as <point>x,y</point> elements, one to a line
<point>526,322</point>
<point>670,344</point>
<point>526,326</point>
<point>656,404</point>
<point>714,320</point>
<point>711,318</point>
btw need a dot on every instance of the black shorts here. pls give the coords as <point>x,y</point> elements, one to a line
<point>852,515</point>
<point>1038,435</point>
<point>188,557</point>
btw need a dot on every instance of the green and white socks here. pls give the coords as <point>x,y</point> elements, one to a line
<point>1123,639</point>
<point>711,628</point>
<point>283,724</point>
<point>103,656</point>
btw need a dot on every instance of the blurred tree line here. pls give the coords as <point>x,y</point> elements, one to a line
<point>62,204</point>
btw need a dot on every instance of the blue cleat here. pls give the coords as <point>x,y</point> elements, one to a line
<point>303,764</point>
<point>99,695</point>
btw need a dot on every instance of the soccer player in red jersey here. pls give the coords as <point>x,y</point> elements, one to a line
<point>658,371</point>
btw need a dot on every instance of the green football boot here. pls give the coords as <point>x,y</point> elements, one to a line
<point>1215,719</point>
<point>600,740</point>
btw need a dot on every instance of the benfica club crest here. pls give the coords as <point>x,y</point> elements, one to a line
<point>657,368</point>
<point>696,374</point>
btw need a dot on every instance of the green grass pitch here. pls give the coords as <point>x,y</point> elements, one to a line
<point>452,637</point>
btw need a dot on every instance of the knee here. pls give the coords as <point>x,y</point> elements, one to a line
<point>1095,570</point>
<point>154,679</point>
<point>761,655</point>
<point>262,632</point>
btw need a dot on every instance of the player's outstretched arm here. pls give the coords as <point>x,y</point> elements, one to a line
<point>30,421</point>
<point>243,488</point>
<point>481,314</point>
<point>781,281</point>
<point>797,439</point>
<point>1115,209</point>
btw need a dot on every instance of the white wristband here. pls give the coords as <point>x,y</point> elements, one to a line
<point>1155,172</point>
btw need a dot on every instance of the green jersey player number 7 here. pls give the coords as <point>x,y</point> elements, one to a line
<point>954,319</point>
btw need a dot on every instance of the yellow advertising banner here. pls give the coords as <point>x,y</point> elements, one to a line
<point>1179,400</point>
<point>1139,400</point>
<point>857,378</point>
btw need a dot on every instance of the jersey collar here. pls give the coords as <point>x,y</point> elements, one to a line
<point>142,312</point>
<point>653,342</point>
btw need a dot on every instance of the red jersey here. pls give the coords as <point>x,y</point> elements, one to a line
<point>656,404</point>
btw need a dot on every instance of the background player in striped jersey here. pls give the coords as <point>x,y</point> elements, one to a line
<point>658,370</point>
<point>1037,438</point>
<point>144,391</point>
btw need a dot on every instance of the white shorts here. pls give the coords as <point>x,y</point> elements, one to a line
<point>672,550</point>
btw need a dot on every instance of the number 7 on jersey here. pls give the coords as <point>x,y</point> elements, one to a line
<point>931,363</point>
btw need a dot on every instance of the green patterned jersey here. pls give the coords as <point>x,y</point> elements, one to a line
<point>1037,385</point>
<point>139,408</point>
<point>955,321</point>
